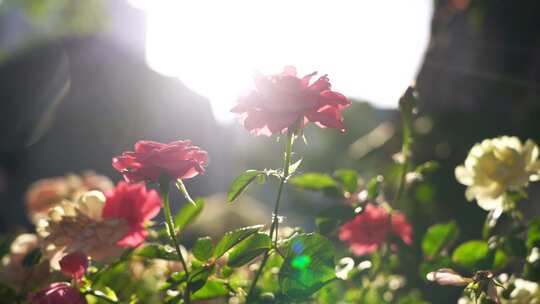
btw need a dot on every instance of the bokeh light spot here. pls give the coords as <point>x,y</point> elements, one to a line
<point>301,262</point>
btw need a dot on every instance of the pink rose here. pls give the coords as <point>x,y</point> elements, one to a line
<point>281,100</point>
<point>177,160</point>
<point>57,293</point>
<point>74,265</point>
<point>135,204</point>
<point>373,227</point>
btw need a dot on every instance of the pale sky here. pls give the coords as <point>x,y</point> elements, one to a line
<point>371,49</point>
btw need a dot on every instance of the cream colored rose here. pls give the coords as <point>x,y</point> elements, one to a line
<point>50,192</point>
<point>496,166</point>
<point>79,226</point>
<point>525,292</point>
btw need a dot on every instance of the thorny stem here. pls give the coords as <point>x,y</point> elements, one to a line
<point>169,222</point>
<point>275,216</point>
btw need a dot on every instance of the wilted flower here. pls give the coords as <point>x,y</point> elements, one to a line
<point>100,226</point>
<point>150,160</point>
<point>57,293</point>
<point>373,227</point>
<point>281,100</point>
<point>496,166</point>
<point>49,192</point>
<point>79,226</point>
<point>13,272</point>
<point>521,292</point>
<point>447,276</point>
<point>74,265</point>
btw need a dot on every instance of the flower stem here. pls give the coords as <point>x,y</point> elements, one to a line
<point>275,216</point>
<point>406,110</point>
<point>169,222</point>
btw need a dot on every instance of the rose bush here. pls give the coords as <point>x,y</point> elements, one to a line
<point>109,243</point>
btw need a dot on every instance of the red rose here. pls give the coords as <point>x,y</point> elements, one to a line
<point>57,293</point>
<point>134,204</point>
<point>178,160</point>
<point>281,100</point>
<point>373,227</point>
<point>74,265</point>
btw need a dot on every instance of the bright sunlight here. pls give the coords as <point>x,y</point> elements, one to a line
<point>371,49</point>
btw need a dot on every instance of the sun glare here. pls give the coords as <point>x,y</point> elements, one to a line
<point>370,49</point>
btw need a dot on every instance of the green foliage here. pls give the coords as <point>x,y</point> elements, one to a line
<point>374,187</point>
<point>232,238</point>
<point>157,251</point>
<point>248,249</point>
<point>476,254</point>
<point>332,217</point>
<point>308,266</point>
<point>240,183</point>
<point>199,276</point>
<point>203,248</point>
<point>348,178</point>
<point>314,181</point>
<point>212,289</point>
<point>533,234</point>
<point>438,237</point>
<point>188,214</point>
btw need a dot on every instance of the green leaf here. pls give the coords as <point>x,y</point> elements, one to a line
<point>232,238</point>
<point>533,235</point>
<point>188,214</point>
<point>500,260</point>
<point>203,248</point>
<point>314,181</point>
<point>157,251</point>
<point>32,258</point>
<point>349,179</point>
<point>374,187</point>
<point>110,293</point>
<point>241,183</point>
<point>248,249</point>
<point>439,237</point>
<point>293,167</point>
<point>198,277</point>
<point>473,255</point>
<point>308,266</point>
<point>212,289</point>
<point>174,280</point>
<point>332,217</point>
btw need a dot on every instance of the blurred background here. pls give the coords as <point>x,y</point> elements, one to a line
<point>81,81</point>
